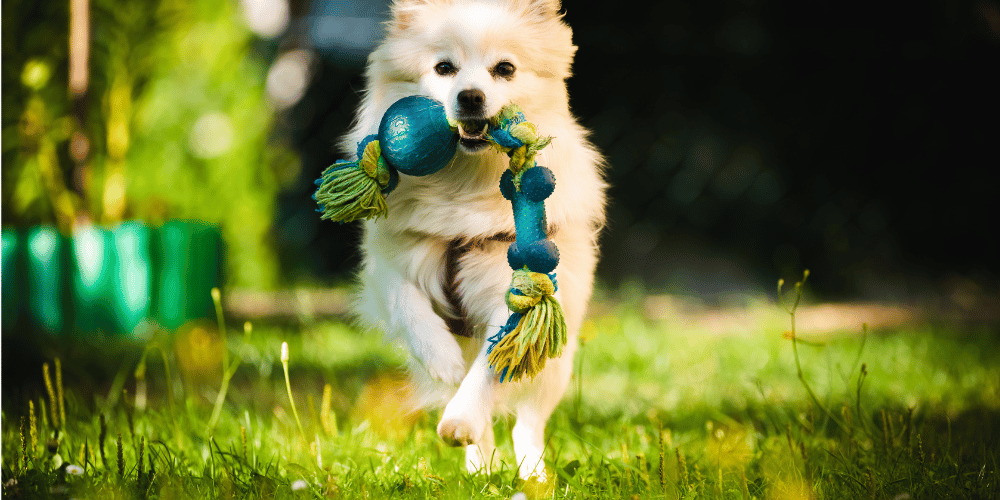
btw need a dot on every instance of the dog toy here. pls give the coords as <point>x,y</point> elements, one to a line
<point>416,138</point>
<point>536,330</point>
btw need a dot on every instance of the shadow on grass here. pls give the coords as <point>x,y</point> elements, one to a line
<point>97,368</point>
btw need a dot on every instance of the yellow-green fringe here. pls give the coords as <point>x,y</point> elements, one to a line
<point>351,191</point>
<point>540,335</point>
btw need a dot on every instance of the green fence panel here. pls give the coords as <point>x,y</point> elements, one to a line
<point>93,279</point>
<point>188,256</point>
<point>46,265</point>
<point>10,298</point>
<point>132,292</point>
<point>205,270</point>
<point>112,280</point>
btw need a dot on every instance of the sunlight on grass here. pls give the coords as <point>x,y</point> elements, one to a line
<point>658,408</point>
<point>678,370</point>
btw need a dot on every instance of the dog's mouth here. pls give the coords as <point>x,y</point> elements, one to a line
<point>472,134</point>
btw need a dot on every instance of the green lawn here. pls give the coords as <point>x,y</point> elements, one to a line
<point>657,409</point>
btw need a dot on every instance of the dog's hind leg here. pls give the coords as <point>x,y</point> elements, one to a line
<point>534,410</point>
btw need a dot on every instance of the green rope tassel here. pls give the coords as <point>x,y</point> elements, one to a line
<point>540,331</point>
<point>356,190</point>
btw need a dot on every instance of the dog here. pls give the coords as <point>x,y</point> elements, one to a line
<point>434,271</point>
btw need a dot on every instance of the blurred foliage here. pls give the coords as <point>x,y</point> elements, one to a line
<point>173,125</point>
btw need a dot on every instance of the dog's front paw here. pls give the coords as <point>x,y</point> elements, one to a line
<point>444,362</point>
<point>458,431</point>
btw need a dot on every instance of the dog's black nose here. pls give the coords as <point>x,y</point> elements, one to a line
<point>471,101</point>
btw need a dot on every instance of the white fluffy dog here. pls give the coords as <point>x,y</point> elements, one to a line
<point>435,270</point>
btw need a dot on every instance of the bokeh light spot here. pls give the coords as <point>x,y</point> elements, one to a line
<point>288,77</point>
<point>266,18</point>
<point>211,136</point>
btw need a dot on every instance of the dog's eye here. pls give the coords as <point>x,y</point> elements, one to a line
<point>504,69</point>
<point>445,68</point>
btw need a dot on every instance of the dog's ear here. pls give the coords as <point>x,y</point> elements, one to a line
<point>402,13</point>
<point>545,8</point>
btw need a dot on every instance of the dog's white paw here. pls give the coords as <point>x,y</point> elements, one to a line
<point>460,431</point>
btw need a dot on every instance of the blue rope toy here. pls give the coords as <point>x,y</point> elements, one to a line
<point>416,138</point>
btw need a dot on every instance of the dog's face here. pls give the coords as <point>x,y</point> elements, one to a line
<point>473,81</point>
<point>476,56</point>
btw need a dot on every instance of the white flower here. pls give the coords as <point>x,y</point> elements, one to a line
<point>284,352</point>
<point>74,470</point>
<point>299,484</point>
<point>519,496</point>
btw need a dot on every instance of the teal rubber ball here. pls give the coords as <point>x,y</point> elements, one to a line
<point>415,136</point>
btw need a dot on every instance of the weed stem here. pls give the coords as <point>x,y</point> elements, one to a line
<point>795,350</point>
<point>288,385</point>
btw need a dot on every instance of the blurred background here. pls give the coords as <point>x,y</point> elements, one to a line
<point>747,140</point>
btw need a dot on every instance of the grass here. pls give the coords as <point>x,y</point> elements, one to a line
<point>655,410</point>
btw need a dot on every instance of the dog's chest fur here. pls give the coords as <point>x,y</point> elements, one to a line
<point>454,312</point>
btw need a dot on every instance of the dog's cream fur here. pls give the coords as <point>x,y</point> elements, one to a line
<point>404,254</point>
